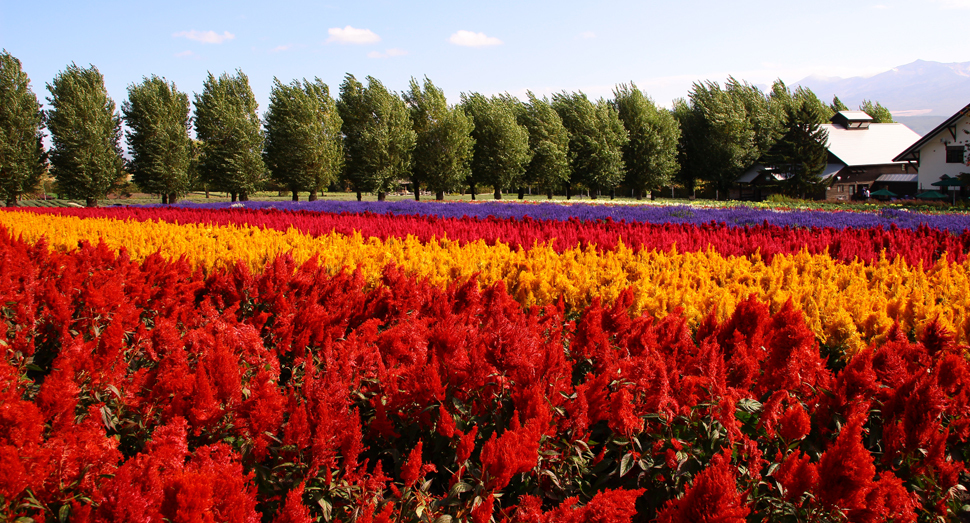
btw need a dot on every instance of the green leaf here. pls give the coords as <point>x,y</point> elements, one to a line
<point>626,463</point>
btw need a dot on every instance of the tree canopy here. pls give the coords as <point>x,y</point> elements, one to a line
<point>157,117</point>
<point>378,136</point>
<point>22,156</point>
<point>596,140</point>
<point>304,145</point>
<point>85,153</point>
<point>227,124</point>
<point>444,144</point>
<point>501,150</point>
<point>548,167</point>
<point>650,155</point>
<point>878,113</point>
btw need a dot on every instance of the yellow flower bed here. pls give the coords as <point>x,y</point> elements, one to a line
<point>845,304</point>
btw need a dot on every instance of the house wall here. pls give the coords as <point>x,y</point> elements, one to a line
<point>850,180</point>
<point>932,157</point>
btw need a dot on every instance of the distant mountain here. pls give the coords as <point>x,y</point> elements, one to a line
<point>920,89</point>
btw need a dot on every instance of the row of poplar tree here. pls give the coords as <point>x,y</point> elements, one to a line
<point>373,140</point>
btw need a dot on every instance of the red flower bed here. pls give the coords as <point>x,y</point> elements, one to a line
<point>924,244</point>
<point>145,391</point>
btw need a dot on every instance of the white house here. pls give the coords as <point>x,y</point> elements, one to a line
<point>941,151</point>
<point>860,156</point>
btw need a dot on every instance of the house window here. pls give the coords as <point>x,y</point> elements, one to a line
<point>841,188</point>
<point>954,154</point>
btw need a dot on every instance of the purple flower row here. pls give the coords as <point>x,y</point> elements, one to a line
<point>737,216</point>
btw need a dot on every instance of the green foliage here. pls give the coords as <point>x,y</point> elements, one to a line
<point>227,124</point>
<point>651,154</point>
<point>596,140</point>
<point>379,138</point>
<point>85,131</point>
<point>501,150</point>
<point>304,145</point>
<point>878,113</point>
<point>837,105</point>
<point>800,154</point>
<point>22,157</point>
<point>548,144</point>
<point>157,116</point>
<point>723,131</point>
<point>444,144</point>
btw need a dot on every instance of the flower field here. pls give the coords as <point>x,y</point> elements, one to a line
<point>342,361</point>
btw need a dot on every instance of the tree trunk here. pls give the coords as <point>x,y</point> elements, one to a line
<point>243,197</point>
<point>206,192</point>
<point>472,187</point>
<point>172,198</point>
<point>313,196</point>
<point>417,193</point>
<point>358,196</point>
<point>11,202</point>
<point>164,199</point>
<point>91,202</point>
<point>440,196</point>
<point>592,193</point>
<point>569,192</point>
<point>549,193</point>
<point>232,197</point>
<point>521,193</point>
<point>381,196</point>
<point>498,193</point>
<point>296,196</point>
<point>639,193</point>
<point>613,193</point>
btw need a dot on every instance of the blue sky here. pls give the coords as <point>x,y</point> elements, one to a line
<point>489,47</point>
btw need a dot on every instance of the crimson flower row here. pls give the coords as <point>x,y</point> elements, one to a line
<point>146,391</point>
<point>923,244</point>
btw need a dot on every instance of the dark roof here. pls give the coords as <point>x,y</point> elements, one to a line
<point>908,155</point>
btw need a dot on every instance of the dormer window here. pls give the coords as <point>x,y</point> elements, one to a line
<point>852,120</point>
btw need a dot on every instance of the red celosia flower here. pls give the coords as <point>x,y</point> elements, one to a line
<point>797,474</point>
<point>446,423</point>
<point>888,500</point>
<point>845,469</point>
<point>294,511</point>
<point>794,424</point>
<point>514,452</point>
<point>607,506</point>
<point>482,512</point>
<point>623,419</point>
<point>712,498</point>
<point>466,444</point>
<point>411,469</point>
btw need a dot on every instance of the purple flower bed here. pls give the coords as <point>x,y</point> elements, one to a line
<point>738,216</point>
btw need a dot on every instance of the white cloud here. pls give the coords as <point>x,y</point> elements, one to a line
<point>352,35</point>
<point>206,37</point>
<point>586,35</point>
<point>280,48</point>
<point>186,54</point>
<point>470,39</point>
<point>387,54</point>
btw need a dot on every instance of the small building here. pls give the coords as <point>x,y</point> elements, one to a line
<point>861,155</point>
<point>941,153</point>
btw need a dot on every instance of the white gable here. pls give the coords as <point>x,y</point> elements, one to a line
<point>878,144</point>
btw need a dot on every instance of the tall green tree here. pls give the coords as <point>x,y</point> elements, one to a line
<point>650,155</point>
<point>378,136</point>
<point>158,121</point>
<point>304,145</point>
<point>596,140</point>
<point>549,144</point>
<point>501,149</point>
<point>85,128</point>
<point>837,105</point>
<point>723,131</point>
<point>878,113</point>
<point>22,156</point>
<point>444,143</point>
<point>227,124</point>
<point>800,154</point>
